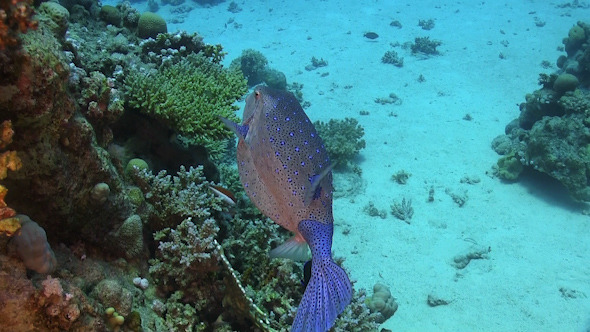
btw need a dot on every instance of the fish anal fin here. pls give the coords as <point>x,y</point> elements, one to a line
<point>295,249</point>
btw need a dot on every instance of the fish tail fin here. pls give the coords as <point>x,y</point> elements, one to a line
<point>295,249</point>
<point>329,290</point>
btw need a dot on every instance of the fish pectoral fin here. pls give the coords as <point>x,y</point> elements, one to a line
<point>240,130</point>
<point>295,249</point>
<point>313,190</point>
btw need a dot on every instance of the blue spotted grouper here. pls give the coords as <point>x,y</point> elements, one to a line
<point>287,174</point>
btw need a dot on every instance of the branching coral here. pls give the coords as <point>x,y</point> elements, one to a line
<point>185,254</point>
<point>342,138</point>
<point>188,96</point>
<point>174,198</point>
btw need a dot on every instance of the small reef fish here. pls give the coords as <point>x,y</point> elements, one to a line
<point>371,35</point>
<point>287,174</point>
<point>226,196</point>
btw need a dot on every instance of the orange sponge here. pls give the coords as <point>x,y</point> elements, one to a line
<point>8,159</point>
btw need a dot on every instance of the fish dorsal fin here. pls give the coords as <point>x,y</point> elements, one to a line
<point>313,190</point>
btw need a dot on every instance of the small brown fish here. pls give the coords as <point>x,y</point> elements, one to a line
<point>371,35</point>
<point>226,196</point>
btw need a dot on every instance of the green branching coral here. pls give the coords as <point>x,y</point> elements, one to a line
<point>188,96</point>
<point>342,138</point>
<point>185,252</point>
<point>174,198</point>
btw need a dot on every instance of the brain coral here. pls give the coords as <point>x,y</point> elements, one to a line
<point>150,25</point>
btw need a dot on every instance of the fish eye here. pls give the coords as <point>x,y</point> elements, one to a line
<point>257,94</point>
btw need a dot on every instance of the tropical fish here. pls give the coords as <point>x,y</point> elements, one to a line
<point>287,174</point>
<point>371,35</point>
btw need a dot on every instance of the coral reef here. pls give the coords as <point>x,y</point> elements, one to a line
<point>391,57</point>
<point>171,199</point>
<point>60,156</point>
<point>401,177</point>
<point>253,64</point>
<point>55,17</point>
<point>426,24</point>
<point>111,15</point>
<point>403,211</point>
<point>169,45</point>
<point>550,135</point>
<point>342,138</point>
<point>9,160</point>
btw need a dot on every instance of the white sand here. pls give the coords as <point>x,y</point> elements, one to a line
<point>539,240</point>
